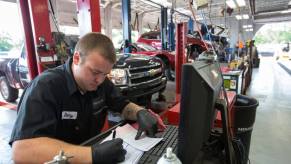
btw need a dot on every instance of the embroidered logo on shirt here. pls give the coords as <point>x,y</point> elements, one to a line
<point>97,102</point>
<point>69,115</point>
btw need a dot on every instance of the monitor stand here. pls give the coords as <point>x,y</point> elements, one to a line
<point>221,106</point>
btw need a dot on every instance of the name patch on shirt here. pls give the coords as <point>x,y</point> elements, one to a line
<point>69,115</point>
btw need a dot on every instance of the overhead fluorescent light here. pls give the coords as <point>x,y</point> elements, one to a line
<point>238,17</point>
<point>195,5</point>
<point>245,16</point>
<point>248,26</point>
<point>249,29</point>
<point>231,4</point>
<point>289,3</point>
<point>241,3</point>
<point>286,11</point>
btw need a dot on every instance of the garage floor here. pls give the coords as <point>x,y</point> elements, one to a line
<point>7,118</point>
<point>271,138</point>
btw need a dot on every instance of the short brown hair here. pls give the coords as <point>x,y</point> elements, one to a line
<point>94,41</point>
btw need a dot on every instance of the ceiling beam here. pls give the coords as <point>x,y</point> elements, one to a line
<point>13,1</point>
<point>268,12</point>
<point>151,3</point>
<point>115,5</point>
<point>252,6</point>
<point>272,18</point>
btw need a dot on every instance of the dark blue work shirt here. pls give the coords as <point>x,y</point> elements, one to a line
<point>52,106</point>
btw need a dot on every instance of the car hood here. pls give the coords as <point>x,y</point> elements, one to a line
<point>4,61</point>
<point>129,60</point>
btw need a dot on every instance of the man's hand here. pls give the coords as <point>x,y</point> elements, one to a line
<point>108,152</point>
<point>161,125</point>
<point>146,122</point>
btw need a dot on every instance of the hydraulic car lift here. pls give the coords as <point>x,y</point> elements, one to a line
<point>38,37</point>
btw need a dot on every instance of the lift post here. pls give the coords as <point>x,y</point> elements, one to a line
<point>171,33</point>
<point>29,43</point>
<point>181,31</point>
<point>88,16</point>
<point>190,26</point>
<point>37,24</point>
<point>126,21</point>
<point>163,30</point>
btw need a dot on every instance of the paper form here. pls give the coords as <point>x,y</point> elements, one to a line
<point>134,148</point>
<point>127,133</point>
<point>132,155</point>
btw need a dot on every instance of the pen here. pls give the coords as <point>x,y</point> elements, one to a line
<point>114,134</point>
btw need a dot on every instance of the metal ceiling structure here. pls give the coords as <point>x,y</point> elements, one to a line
<point>267,11</point>
<point>260,11</point>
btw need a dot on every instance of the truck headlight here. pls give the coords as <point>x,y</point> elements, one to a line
<point>118,76</point>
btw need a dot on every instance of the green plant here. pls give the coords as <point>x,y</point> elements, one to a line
<point>6,42</point>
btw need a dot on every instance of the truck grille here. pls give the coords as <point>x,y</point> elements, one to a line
<point>139,75</point>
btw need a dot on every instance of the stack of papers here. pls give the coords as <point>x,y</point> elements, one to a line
<point>134,148</point>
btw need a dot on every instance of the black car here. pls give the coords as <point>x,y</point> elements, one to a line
<point>137,76</point>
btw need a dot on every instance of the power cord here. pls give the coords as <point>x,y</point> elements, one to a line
<point>240,151</point>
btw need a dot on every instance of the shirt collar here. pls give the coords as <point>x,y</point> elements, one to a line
<point>71,82</point>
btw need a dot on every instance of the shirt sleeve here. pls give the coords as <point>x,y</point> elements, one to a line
<point>114,99</point>
<point>37,112</point>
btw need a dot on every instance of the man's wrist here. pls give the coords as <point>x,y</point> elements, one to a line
<point>141,109</point>
<point>130,111</point>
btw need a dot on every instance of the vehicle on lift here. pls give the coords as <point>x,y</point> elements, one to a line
<point>194,45</point>
<point>137,76</point>
<point>167,57</point>
<point>153,38</point>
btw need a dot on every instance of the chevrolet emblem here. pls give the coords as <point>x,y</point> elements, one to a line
<point>152,72</point>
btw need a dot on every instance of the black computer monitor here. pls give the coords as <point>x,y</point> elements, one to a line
<point>200,87</point>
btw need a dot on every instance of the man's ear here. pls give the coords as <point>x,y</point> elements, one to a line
<point>76,58</point>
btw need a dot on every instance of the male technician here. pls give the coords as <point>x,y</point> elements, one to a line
<point>67,105</point>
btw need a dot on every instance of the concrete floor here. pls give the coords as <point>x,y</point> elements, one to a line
<point>7,118</point>
<point>271,137</point>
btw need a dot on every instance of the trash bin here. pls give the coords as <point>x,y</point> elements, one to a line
<point>243,119</point>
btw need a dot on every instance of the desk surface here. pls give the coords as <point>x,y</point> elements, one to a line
<point>172,115</point>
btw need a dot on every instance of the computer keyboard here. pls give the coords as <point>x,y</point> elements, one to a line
<point>169,140</point>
